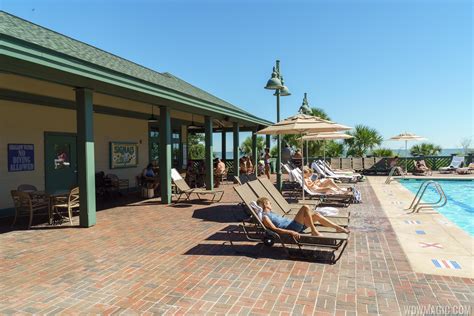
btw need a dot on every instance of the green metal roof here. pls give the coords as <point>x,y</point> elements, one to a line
<point>34,34</point>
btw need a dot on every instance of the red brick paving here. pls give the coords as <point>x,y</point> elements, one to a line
<point>154,259</point>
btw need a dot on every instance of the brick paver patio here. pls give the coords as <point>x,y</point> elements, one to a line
<point>171,260</point>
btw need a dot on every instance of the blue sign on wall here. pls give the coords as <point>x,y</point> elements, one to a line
<point>21,157</point>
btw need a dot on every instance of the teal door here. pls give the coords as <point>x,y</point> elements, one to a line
<point>60,159</point>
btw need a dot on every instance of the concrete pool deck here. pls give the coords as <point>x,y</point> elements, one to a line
<point>431,242</point>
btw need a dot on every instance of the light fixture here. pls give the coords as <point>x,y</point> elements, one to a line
<point>274,82</point>
<point>193,125</point>
<point>152,118</point>
<point>305,108</point>
<point>284,89</point>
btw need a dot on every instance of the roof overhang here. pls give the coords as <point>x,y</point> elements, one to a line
<point>30,60</point>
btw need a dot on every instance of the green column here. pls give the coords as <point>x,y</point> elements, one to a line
<point>209,149</point>
<point>224,145</point>
<point>254,151</point>
<point>165,154</point>
<point>85,156</point>
<point>236,148</point>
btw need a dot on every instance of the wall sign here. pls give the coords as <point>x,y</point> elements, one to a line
<point>21,157</point>
<point>123,155</point>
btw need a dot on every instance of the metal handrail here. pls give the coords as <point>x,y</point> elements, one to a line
<point>390,175</point>
<point>416,204</point>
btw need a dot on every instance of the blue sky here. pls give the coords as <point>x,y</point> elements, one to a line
<point>392,65</point>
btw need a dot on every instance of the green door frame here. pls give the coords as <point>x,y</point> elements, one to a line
<point>45,162</point>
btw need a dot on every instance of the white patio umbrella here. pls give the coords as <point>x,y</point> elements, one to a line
<point>324,137</point>
<point>302,124</point>
<point>406,137</point>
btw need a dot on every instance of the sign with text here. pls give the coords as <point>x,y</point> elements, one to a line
<point>21,157</point>
<point>123,155</point>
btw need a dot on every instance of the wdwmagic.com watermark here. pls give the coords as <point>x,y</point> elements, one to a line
<point>437,310</point>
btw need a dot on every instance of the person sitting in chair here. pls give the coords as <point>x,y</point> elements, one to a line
<point>249,165</point>
<point>149,177</point>
<point>325,185</point>
<point>243,165</point>
<point>303,219</point>
<point>420,167</point>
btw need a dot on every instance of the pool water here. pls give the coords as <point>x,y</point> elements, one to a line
<point>460,206</point>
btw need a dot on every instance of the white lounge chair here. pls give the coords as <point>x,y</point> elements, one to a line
<point>326,173</point>
<point>456,163</point>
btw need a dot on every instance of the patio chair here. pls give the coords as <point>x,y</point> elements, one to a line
<point>68,203</point>
<point>466,170</point>
<point>343,199</point>
<point>420,168</point>
<point>25,205</point>
<point>340,177</point>
<point>117,184</point>
<point>27,188</point>
<point>308,247</point>
<point>328,170</point>
<point>185,190</point>
<point>456,163</point>
<point>285,206</point>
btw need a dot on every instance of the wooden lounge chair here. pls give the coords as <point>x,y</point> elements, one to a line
<point>308,247</point>
<point>185,190</point>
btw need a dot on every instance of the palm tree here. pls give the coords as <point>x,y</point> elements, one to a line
<point>246,145</point>
<point>334,149</point>
<point>383,152</point>
<point>365,139</point>
<point>425,149</point>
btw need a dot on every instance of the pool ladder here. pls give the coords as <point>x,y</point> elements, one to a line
<point>416,205</point>
<point>390,175</point>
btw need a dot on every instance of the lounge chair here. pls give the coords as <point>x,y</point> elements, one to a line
<point>308,247</point>
<point>342,199</point>
<point>186,191</point>
<point>466,170</point>
<point>323,174</point>
<point>289,208</point>
<point>456,163</point>
<point>420,168</point>
<point>333,173</point>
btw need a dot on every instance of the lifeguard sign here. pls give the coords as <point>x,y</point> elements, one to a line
<point>21,157</point>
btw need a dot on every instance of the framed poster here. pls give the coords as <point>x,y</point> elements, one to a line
<point>123,155</point>
<point>21,157</point>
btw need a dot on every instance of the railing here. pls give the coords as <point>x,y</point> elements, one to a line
<point>359,164</point>
<point>390,175</point>
<point>416,205</point>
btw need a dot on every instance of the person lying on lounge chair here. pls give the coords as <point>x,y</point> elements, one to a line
<point>325,185</point>
<point>303,219</point>
<point>420,167</point>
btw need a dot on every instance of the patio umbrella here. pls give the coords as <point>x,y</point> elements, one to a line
<point>406,137</point>
<point>302,124</point>
<point>324,137</point>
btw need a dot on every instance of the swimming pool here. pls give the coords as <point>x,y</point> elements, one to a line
<point>460,206</point>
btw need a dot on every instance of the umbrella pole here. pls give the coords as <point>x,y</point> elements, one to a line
<point>302,165</point>
<point>406,158</point>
